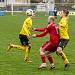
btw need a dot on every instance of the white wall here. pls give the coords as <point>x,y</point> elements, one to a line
<point>44,0</point>
<point>14,1</point>
<point>10,1</point>
<point>2,4</point>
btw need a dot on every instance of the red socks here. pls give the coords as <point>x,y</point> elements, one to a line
<point>50,58</point>
<point>43,58</point>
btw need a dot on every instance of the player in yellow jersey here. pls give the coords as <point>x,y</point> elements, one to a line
<point>24,36</point>
<point>64,36</point>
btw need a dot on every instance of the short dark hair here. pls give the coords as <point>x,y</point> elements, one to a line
<point>66,11</point>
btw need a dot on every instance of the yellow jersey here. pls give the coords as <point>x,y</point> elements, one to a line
<point>63,28</point>
<point>26,27</point>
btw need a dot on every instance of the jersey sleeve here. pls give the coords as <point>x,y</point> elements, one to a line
<point>43,33</point>
<point>40,29</point>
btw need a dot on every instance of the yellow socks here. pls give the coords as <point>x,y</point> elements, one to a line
<point>26,53</point>
<point>19,47</point>
<point>62,54</point>
<point>26,50</point>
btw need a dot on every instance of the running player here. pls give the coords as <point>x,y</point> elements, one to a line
<point>24,36</point>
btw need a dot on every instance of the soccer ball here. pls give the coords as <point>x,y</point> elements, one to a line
<point>29,12</point>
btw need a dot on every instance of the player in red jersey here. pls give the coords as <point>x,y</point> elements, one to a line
<point>51,45</point>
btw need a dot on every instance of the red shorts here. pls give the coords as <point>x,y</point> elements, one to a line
<point>50,46</point>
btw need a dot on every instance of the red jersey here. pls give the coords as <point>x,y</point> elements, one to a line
<point>51,29</point>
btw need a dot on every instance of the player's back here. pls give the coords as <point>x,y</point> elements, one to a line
<point>63,28</point>
<point>26,26</point>
<point>53,32</point>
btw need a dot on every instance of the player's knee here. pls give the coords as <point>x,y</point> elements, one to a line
<point>59,50</point>
<point>29,46</point>
<point>47,53</point>
<point>42,51</point>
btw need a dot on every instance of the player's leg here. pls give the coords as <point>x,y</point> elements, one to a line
<point>49,47</point>
<point>44,50</point>
<point>61,45</point>
<point>15,46</point>
<point>64,58</point>
<point>26,52</point>
<point>25,46</point>
<point>25,42</point>
<point>22,38</point>
<point>50,59</point>
<point>43,59</point>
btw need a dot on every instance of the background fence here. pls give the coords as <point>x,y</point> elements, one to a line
<point>38,7</point>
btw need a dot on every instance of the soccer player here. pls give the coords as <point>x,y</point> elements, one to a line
<point>25,35</point>
<point>49,46</point>
<point>64,36</point>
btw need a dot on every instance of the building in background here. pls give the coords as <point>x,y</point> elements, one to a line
<point>63,1</point>
<point>22,1</point>
<point>3,3</point>
<point>17,1</point>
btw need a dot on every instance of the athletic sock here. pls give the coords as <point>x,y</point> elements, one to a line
<point>50,58</point>
<point>19,47</point>
<point>43,58</point>
<point>26,53</point>
<point>64,58</point>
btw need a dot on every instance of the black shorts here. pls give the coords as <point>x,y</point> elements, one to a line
<point>63,43</point>
<point>24,39</point>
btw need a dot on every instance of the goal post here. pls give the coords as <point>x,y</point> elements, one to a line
<point>12,9</point>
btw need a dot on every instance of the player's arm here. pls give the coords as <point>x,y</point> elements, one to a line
<point>57,29</point>
<point>39,29</point>
<point>41,34</point>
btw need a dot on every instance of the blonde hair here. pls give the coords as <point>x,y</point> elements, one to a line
<point>51,18</point>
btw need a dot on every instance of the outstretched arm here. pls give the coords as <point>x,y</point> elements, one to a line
<point>39,29</point>
<point>41,34</point>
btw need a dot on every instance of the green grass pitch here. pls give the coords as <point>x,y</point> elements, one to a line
<point>11,63</point>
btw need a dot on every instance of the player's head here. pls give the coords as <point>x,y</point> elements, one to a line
<point>29,12</point>
<point>64,12</point>
<point>51,18</point>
